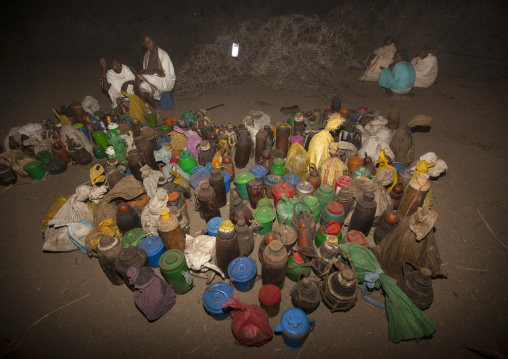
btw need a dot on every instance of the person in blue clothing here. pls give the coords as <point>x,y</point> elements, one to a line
<point>399,78</point>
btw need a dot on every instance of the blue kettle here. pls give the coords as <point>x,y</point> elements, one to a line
<point>295,327</point>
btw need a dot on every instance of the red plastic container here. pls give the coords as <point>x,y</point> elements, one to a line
<point>269,299</point>
<point>280,189</point>
<point>357,237</point>
<point>341,182</point>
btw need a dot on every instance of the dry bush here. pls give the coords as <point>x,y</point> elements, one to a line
<point>294,52</point>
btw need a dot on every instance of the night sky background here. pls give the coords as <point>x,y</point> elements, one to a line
<point>469,37</point>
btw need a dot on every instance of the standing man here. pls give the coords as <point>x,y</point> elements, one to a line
<point>117,79</point>
<point>158,74</point>
<point>399,79</point>
<point>425,65</point>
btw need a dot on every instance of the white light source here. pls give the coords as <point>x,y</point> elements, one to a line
<point>234,50</point>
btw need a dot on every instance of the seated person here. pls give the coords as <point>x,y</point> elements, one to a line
<point>400,78</point>
<point>425,65</point>
<point>117,79</point>
<point>158,74</point>
<point>380,57</point>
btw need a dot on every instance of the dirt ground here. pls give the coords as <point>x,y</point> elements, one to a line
<point>62,305</point>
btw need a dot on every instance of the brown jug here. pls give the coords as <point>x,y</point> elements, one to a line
<point>395,195</point>
<point>61,152</point>
<point>417,285</point>
<point>113,177</point>
<point>216,181</point>
<point>264,243</point>
<point>205,154</point>
<point>78,112</point>
<point>255,190</point>
<point>414,195</point>
<point>226,246</point>
<point>170,231</point>
<point>243,150</point>
<point>146,146</point>
<point>305,295</point>
<point>245,238</point>
<point>238,209</point>
<point>303,240</point>
<point>107,252</point>
<point>273,270</point>
<point>176,199</point>
<point>299,125</point>
<point>282,134</point>
<point>126,218</point>
<point>363,214</point>
<point>345,198</point>
<point>266,160</point>
<point>387,225</point>
<point>130,257</point>
<point>338,290</point>
<point>207,203</point>
<point>314,179</point>
<point>136,160</point>
<point>227,165</point>
<point>261,138</point>
<point>214,141</point>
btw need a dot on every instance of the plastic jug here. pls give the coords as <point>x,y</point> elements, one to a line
<point>242,272</point>
<point>154,249</point>
<point>213,226</point>
<point>295,327</point>
<point>213,297</point>
<point>265,216</point>
<point>174,269</point>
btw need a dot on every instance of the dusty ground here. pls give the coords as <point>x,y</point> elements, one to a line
<point>469,309</point>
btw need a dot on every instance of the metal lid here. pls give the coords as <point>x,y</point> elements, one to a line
<point>242,269</point>
<point>304,187</point>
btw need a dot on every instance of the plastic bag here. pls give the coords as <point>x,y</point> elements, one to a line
<point>297,160</point>
<point>192,141</point>
<point>77,232</point>
<point>200,256</point>
<point>107,227</point>
<point>383,164</point>
<point>331,169</point>
<point>178,178</point>
<point>188,117</point>
<point>250,324</point>
<point>199,174</point>
<point>318,147</point>
<point>136,108</point>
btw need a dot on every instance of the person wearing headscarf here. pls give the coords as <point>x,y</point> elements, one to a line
<point>380,57</point>
<point>425,65</point>
<point>400,78</point>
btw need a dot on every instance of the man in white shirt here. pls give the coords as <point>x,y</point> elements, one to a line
<point>118,78</point>
<point>425,65</point>
<point>158,74</point>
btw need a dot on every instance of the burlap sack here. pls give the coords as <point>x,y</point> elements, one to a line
<point>412,240</point>
<point>402,142</point>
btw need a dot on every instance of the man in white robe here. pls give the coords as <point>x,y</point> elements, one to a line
<point>425,65</point>
<point>380,57</point>
<point>118,78</point>
<point>158,74</point>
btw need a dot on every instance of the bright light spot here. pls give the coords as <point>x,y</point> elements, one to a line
<point>234,50</point>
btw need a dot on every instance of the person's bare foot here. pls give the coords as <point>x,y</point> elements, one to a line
<point>388,92</point>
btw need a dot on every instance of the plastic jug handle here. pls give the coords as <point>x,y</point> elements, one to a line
<point>312,323</point>
<point>278,329</point>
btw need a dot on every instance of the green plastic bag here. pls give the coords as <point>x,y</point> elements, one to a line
<point>405,320</point>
